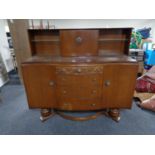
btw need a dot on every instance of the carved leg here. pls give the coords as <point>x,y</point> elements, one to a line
<point>46,114</point>
<point>114,114</point>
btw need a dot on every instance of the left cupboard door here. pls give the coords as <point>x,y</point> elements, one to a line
<point>39,81</point>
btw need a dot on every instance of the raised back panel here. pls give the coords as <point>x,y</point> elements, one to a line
<point>114,41</point>
<point>44,42</point>
<point>79,42</point>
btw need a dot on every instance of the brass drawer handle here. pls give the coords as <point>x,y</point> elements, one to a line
<point>94,80</point>
<point>79,70</point>
<point>78,40</point>
<point>93,104</point>
<point>52,83</point>
<point>107,83</point>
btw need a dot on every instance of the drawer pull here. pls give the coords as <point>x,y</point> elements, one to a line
<point>78,40</point>
<point>52,83</point>
<point>94,91</point>
<point>94,80</point>
<point>63,79</point>
<point>64,92</point>
<point>79,70</point>
<point>66,104</point>
<point>93,104</point>
<point>107,83</point>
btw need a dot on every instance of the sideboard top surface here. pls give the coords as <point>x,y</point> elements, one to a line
<point>77,60</point>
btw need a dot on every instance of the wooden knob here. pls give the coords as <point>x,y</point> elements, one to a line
<point>94,91</point>
<point>64,92</point>
<point>63,79</point>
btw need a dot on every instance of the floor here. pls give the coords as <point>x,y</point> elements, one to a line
<point>17,119</point>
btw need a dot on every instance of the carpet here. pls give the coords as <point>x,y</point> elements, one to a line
<point>17,119</point>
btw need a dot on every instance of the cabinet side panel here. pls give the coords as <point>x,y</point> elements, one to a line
<point>32,86</point>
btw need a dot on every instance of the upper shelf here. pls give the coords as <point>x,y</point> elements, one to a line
<point>47,40</point>
<point>79,42</point>
<point>112,39</point>
<point>58,40</point>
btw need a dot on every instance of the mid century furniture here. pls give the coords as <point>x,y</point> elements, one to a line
<point>80,70</point>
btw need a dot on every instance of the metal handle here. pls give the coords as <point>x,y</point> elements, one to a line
<point>79,70</point>
<point>52,83</point>
<point>78,39</point>
<point>107,83</point>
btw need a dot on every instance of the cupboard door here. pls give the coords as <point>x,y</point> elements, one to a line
<point>79,42</point>
<point>39,80</point>
<point>118,85</point>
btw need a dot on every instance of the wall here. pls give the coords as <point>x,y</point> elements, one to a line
<point>151,24</point>
<point>101,23</point>
<point>4,47</point>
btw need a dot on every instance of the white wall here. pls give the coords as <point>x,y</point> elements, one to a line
<point>151,23</point>
<point>4,46</point>
<point>101,23</point>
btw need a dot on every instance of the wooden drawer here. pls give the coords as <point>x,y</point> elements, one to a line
<point>79,92</point>
<point>79,104</point>
<point>79,70</point>
<point>79,42</point>
<point>74,80</point>
<point>79,75</point>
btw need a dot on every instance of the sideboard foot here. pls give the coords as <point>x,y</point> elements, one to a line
<point>46,114</point>
<point>115,114</point>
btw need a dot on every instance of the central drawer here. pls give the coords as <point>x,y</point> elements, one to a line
<point>79,86</point>
<point>80,80</point>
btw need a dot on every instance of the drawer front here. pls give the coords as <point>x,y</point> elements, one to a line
<point>79,104</point>
<point>79,92</point>
<point>79,42</point>
<point>73,80</point>
<point>79,70</point>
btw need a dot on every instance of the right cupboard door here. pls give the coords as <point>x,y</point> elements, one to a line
<point>118,85</point>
